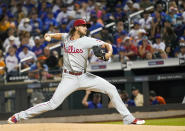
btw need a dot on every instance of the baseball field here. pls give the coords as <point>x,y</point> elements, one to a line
<point>160,122</point>
<point>171,124</point>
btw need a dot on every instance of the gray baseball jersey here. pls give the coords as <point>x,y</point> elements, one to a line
<point>76,52</point>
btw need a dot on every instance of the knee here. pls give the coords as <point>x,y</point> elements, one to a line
<point>112,90</point>
<point>53,105</point>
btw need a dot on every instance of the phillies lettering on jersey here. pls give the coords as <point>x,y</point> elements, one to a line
<point>72,49</point>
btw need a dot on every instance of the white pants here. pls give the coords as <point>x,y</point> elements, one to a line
<point>71,83</point>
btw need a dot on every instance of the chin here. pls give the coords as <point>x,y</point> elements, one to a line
<point>83,34</point>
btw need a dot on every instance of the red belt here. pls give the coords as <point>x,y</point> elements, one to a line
<point>72,73</point>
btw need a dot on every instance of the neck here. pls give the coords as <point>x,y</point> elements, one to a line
<point>75,36</point>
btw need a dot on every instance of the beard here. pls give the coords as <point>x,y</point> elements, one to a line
<point>81,33</point>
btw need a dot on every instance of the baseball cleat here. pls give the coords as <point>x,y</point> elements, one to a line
<point>12,120</point>
<point>138,122</point>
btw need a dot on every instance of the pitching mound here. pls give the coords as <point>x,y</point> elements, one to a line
<point>86,127</point>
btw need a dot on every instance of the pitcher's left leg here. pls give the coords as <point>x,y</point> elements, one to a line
<point>98,84</point>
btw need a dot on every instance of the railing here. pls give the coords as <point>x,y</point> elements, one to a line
<point>22,61</point>
<point>100,28</point>
<point>135,14</point>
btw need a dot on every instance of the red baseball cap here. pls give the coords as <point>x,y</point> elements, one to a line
<point>79,22</point>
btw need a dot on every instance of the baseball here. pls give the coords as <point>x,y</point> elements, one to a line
<point>48,38</point>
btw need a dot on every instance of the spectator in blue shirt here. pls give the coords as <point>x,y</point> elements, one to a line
<point>38,70</point>
<point>24,41</point>
<point>120,38</point>
<point>1,12</point>
<point>119,13</point>
<point>95,24</point>
<point>106,16</point>
<point>43,11</point>
<point>94,103</point>
<point>38,49</point>
<point>36,23</point>
<point>118,31</point>
<point>50,20</point>
<point>5,10</point>
<point>29,5</point>
<point>63,27</point>
<point>39,65</point>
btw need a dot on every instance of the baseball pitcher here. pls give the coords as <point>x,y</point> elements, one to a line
<point>75,77</point>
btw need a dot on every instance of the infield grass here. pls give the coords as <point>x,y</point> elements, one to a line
<point>169,122</point>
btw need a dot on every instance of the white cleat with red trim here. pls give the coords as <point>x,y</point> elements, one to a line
<point>12,120</point>
<point>138,122</point>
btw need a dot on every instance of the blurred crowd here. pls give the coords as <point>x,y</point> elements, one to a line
<point>95,100</point>
<point>134,99</point>
<point>155,33</point>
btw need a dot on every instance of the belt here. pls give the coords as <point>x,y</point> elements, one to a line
<point>73,73</point>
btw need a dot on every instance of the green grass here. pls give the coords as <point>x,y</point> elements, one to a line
<point>169,122</point>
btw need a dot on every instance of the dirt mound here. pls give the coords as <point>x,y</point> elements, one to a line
<point>86,127</point>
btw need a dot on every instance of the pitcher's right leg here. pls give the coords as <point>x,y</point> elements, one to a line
<point>68,85</point>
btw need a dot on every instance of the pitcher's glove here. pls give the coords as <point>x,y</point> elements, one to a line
<point>99,52</point>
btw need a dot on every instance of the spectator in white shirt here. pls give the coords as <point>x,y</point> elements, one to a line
<point>63,15</point>
<point>12,62</point>
<point>25,25</point>
<point>31,42</point>
<point>182,50</point>
<point>56,6</point>
<point>78,11</point>
<point>159,48</point>
<point>90,5</point>
<point>131,7</point>
<point>25,53</point>
<point>84,12</point>
<point>141,33</point>
<point>146,21</point>
<point>11,41</point>
<point>134,32</point>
